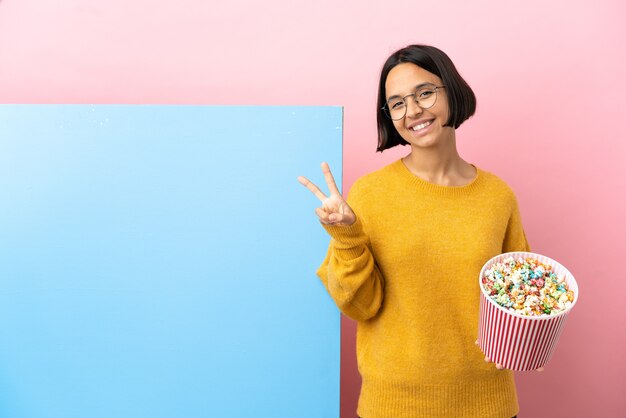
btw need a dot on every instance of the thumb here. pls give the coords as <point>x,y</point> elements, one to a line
<point>342,218</point>
<point>335,217</point>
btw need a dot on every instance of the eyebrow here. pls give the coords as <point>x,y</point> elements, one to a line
<point>397,96</point>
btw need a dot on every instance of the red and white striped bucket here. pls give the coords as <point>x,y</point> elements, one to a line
<point>520,342</point>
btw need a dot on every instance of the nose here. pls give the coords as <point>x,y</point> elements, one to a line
<point>412,108</point>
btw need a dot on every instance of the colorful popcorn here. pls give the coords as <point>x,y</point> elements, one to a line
<point>527,287</point>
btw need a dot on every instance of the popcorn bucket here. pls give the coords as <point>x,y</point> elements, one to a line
<point>516,341</point>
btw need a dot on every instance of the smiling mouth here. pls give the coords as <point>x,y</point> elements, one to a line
<point>421,125</point>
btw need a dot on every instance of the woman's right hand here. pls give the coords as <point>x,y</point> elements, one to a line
<point>334,209</point>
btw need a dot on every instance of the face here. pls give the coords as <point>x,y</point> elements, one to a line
<point>401,81</point>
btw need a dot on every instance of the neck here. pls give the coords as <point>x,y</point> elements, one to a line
<point>440,164</point>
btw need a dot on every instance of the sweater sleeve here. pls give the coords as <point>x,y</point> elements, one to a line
<point>515,238</point>
<point>349,271</point>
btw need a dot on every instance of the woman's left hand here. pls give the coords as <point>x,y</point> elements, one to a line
<point>501,367</point>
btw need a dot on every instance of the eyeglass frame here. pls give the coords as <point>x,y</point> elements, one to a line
<point>387,111</point>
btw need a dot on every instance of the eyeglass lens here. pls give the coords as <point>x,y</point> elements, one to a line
<point>425,97</point>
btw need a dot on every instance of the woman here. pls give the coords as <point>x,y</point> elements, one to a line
<point>408,245</point>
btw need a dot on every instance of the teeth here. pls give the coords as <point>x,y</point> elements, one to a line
<point>421,125</point>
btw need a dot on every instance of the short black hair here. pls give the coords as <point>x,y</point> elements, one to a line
<point>461,98</point>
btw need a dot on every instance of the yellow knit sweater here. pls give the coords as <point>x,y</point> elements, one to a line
<point>407,271</point>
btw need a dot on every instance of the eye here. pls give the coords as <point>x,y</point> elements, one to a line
<point>422,94</point>
<point>396,104</point>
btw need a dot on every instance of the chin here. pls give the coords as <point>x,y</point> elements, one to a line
<point>423,142</point>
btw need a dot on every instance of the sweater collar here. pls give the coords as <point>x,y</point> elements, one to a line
<point>437,189</point>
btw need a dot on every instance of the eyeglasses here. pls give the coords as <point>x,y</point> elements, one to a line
<point>425,97</point>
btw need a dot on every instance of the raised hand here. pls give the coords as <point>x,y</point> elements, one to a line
<point>334,209</point>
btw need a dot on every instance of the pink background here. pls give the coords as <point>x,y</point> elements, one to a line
<point>549,77</point>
